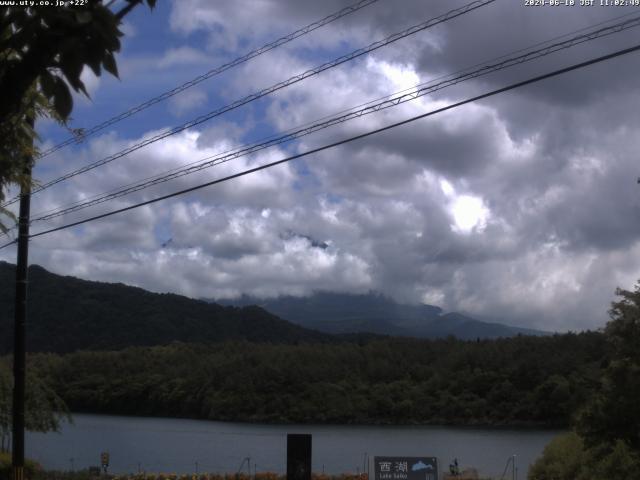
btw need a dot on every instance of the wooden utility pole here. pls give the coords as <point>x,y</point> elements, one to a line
<point>20,318</point>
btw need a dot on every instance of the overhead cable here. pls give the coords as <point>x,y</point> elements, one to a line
<point>211,73</point>
<point>262,93</point>
<point>414,93</point>
<point>344,141</point>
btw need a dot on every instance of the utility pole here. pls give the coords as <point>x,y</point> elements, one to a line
<point>20,318</point>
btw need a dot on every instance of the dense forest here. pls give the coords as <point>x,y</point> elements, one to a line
<point>112,348</point>
<point>515,381</point>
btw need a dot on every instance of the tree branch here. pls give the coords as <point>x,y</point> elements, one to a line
<point>125,11</point>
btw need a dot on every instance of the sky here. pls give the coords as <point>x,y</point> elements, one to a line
<point>521,208</point>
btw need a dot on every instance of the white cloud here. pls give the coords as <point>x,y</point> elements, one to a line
<point>181,56</point>
<point>469,213</point>
<point>522,208</point>
<point>187,101</point>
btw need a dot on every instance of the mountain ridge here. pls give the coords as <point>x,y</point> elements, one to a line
<point>67,314</point>
<point>338,313</point>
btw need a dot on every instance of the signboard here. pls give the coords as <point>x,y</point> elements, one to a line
<point>405,468</point>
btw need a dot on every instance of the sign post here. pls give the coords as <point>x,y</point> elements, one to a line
<point>405,468</point>
<point>104,461</point>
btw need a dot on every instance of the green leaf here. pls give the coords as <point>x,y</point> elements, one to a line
<point>110,65</point>
<point>71,64</point>
<point>82,88</point>
<point>62,101</point>
<point>11,216</point>
<point>93,60</point>
<point>47,83</point>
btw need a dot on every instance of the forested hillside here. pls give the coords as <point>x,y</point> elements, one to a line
<point>68,314</point>
<point>162,354</point>
<point>516,381</point>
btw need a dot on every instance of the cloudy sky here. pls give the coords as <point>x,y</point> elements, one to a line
<point>523,207</point>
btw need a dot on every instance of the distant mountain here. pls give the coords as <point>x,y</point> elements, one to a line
<point>67,314</point>
<point>374,313</point>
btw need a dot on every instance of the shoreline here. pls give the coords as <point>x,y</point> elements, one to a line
<point>258,422</point>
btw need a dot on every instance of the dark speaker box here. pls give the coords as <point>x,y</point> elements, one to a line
<point>298,456</point>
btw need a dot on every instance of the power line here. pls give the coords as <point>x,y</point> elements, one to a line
<point>387,101</point>
<point>347,140</point>
<point>415,93</point>
<point>370,102</point>
<point>262,93</point>
<point>211,73</point>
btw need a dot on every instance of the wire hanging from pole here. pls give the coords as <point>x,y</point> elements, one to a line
<point>264,92</point>
<point>417,92</point>
<point>345,141</point>
<point>211,73</point>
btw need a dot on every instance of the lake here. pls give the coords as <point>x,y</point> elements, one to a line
<point>186,446</point>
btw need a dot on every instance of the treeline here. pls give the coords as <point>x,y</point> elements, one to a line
<point>514,381</point>
<point>605,441</point>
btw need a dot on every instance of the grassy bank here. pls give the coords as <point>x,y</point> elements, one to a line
<point>34,472</point>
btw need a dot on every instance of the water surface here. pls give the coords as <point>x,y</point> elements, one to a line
<point>182,446</point>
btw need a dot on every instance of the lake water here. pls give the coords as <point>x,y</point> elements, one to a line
<point>185,446</point>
